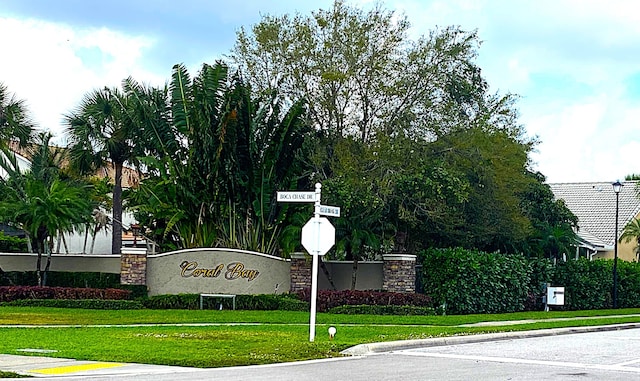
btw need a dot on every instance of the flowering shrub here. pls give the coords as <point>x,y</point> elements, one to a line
<point>10,293</point>
<point>328,299</point>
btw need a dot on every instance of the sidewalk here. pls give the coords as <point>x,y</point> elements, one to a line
<point>38,366</point>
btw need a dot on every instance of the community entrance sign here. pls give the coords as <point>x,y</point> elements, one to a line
<point>318,237</point>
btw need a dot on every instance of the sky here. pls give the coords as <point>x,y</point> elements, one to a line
<point>575,64</point>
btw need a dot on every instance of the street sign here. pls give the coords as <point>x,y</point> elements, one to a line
<point>332,211</point>
<point>296,196</point>
<point>318,236</point>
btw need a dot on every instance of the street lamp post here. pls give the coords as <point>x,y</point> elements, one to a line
<point>135,229</point>
<point>617,186</point>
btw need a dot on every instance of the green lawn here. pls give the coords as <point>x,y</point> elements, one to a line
<point>276,336</point>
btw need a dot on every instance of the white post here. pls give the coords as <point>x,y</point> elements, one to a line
<point>314,272</point>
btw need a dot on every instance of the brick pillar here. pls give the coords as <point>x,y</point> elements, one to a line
<point>300,272</point>
<point>399,273</point>
<point>133,266</point>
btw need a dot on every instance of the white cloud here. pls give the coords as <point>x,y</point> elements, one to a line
<point>568,59</point>
<point>46,66</point>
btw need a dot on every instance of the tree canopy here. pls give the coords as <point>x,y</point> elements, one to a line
<point>404,134</point>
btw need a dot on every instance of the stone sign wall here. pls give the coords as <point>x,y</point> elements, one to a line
<point>229,271</point>
<point>216,271</point>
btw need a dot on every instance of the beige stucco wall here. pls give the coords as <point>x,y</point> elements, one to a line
<point>61,262</point>
<point>216,271</point>
<point>626,252</point>
<point>369,275</point>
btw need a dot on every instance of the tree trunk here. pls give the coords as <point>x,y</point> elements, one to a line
<point>29,244</point>
<point>116,231</point>
<point>93,242</point>
<point>354,273</point>
<point>39,263</point>
<point>326,273</point>
<point>86,237</point>
<point>64,244</point>
<point>48,265</point>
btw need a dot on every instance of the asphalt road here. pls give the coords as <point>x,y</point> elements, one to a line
<point>608,355</point>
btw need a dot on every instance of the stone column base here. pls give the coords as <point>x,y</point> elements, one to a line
<point>300,272</point>
<point>399,273</point>
<point>133,266</point>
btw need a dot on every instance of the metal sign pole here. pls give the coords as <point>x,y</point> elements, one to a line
<point>314,270</point>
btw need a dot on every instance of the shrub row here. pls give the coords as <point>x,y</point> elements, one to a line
<point>329,299</point>
<point>63,279</point>
<point>265,302</point>
<point>10,293</point>
<point>93,304</point>
<point>384,310</point>
<point>470,281</point>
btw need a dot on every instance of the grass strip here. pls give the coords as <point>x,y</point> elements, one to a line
<point>280,336</point>
<point>65,316</point>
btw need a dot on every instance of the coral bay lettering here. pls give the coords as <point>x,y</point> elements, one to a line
<point>235,270</point>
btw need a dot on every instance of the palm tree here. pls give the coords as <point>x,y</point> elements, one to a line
<point>215,154</point>
<point>15,122</point>
<point>556,240</point>
<point>101,132</point>
<point>40,202</point>
<point>632,232</point>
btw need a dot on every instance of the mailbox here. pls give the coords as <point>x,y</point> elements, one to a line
<point>555,296</point>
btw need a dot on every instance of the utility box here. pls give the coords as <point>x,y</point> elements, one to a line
<point>555,296</point>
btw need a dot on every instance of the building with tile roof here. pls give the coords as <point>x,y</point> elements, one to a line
<point>594,204</point>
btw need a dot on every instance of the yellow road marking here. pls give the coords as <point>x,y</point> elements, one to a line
<point>76,368</point>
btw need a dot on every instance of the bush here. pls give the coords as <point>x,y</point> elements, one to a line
<point>471,281</point>
<point>265,302</point>
<point>268,302</point>
<point>11,293</point>
<point>12,244</point>
<point>541,272</point>
<point>628,284</point>
<point>93,304</point>
<point>328,299</point>
<point>587,284</point>
<point>383,310</point>
<point>169,302</point>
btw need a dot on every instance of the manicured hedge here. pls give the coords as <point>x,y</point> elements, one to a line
<point>471,281</point>
<point>11,293</point>
<point>265,302</point>
<point>384,310</point>
<point>72,279</point>
<point>92,304</point>
<point>329,299</point>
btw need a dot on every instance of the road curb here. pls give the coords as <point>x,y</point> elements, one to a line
<point>389,346</point>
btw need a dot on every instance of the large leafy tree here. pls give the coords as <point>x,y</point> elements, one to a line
<point>15,121</point>
<point>360,69</point>
<point>102,133</point>
<point>42,202</point>
<point>553,225</point>
<point>407,125</point>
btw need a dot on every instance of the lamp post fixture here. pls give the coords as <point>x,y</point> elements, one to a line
<point>617,186</point>
<point>135,229</point>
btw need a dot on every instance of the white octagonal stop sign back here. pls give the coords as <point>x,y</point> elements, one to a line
<point>318,236</point>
